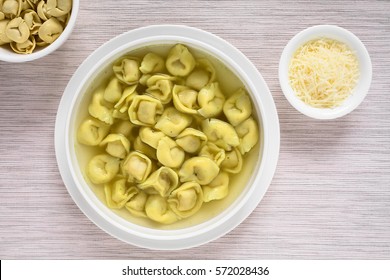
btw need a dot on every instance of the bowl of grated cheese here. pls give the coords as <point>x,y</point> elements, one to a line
<point>325,72</point>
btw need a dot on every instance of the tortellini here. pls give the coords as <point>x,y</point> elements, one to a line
<point>102,168</point>
<point>152,63</point>
<point>217,189</point>
<point>210,99</point>
<point>199,169</point>
<point>17,30</point>
<point>150,136</point>
<point>232,162</point>
<point>127,70</point>
<point>180,62</point>
<point>249,135</point>
<point>50,30</point>
<point>185,99</point>
<point>99,108</point>
<point>161,182</point>
<point>113,91</point>
<point>118,194</point>
<point>220,133</point>
<point>136,167</point>
<point>186,200</point>
<point>117,145</point>
<point>160,87</point>
<point>157,209</point>
<point>136,204</point>
<point>144,148</point>
<point>213,152</point>
<point>25,47</point>
<point>169,153</point>
<point>144,110</point>
<point>202,75</point>
<point>121,107</point>
<point>25,24</point>
<point>166,140</point>
<point>191,140</point>
<point>172,122</point>
<point>238,107</point>
<point>92,131</point>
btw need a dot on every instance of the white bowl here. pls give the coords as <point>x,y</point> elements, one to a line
<point>341,35</point>
<point>10,56</point>
<point>189,236</point>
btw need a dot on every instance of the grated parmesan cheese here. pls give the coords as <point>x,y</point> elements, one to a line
<point>323,73</point>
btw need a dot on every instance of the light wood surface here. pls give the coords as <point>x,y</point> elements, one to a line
<point>329,199</point>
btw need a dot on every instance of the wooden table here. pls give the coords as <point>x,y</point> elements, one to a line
<point>329,199</point>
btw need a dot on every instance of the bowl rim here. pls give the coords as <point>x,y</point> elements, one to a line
<point>340,34</point>
<point>152,238</point>
<point>9,56</point>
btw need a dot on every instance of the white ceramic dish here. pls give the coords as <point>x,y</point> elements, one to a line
<point>192,236</point>
<point>335,33</point>
<point>10,56</point>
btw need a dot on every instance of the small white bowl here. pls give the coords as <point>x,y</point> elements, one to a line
<point>255,180</point>
<point>10,56</point>
<point>341,35</point>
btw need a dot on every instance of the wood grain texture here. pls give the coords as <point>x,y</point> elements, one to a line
<point>330,197</point>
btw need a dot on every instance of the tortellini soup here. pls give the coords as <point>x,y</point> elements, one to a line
<point>168,136</point>
<point>26,25</point>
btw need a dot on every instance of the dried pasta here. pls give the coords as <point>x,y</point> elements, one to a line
<point>26,24</point>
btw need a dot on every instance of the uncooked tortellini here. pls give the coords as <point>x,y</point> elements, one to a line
<point>17,30</point>
<point>25,24</point>
<point>144,148</point>
<point>50,30</point>
<point>164,138</point>
<point>186,200</point>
